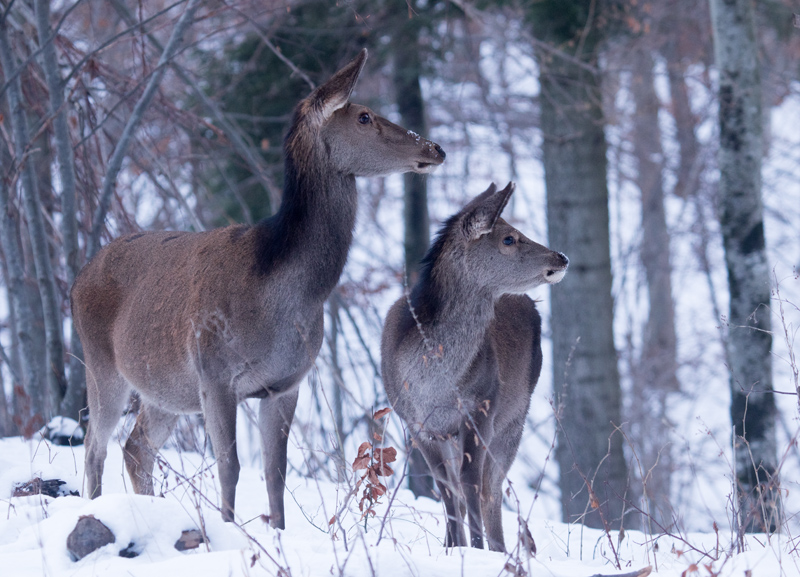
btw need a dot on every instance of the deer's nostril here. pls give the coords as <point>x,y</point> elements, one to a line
<point>440,151</point>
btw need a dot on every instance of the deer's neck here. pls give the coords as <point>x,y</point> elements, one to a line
<point>453,318</point>
<point>312,231</point>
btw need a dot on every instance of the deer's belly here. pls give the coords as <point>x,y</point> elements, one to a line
<point>168,360</point>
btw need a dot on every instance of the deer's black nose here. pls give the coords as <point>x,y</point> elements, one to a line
<point>440,151</point>
<point>564,258</point>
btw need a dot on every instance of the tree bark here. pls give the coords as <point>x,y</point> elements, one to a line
<point>30,376</point>
<point>6,425</point>
<point>74,398</point>
<point>655,374</point>
<point>593,471</point>
<point>411,106</point>
<point>690,161</point>
<point>749,337</point>
<point>46,401</point>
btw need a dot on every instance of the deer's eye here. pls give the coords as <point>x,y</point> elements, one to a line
<point>508,241</point>
<point>364,119</point>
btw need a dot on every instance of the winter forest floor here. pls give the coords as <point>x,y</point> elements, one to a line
<point>404,538</point>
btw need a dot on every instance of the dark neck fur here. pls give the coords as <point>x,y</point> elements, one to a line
<point>437,296</point>
<point>313,227</point>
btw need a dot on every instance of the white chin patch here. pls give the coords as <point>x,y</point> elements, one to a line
<point>555,277</point>
<point>425,168</point>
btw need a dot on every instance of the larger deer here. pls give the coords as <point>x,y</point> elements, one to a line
<point>461,357</point>
<point>201,321</point>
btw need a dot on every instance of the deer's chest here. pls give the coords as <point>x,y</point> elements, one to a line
<point>439,395</point>
<point>264,353</point>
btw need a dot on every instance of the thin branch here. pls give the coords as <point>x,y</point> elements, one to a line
<point>12,76</point>
<point>230,129</point>
<point>274,49</point>
<point>115,163</point>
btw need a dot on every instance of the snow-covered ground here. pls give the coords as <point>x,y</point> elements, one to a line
<point>404,538</point>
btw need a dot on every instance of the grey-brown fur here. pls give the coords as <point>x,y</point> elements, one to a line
<point>200,321</point>
<point>462,355</point>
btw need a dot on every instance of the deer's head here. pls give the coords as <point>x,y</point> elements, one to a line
<point>355,139</point>
<point>495,255</point>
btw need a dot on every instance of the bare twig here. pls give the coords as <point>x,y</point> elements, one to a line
<point>115,163</point>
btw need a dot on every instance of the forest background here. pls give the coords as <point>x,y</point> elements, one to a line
<point>669,395</point>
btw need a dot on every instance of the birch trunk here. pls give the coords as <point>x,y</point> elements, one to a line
<point>749,339</point>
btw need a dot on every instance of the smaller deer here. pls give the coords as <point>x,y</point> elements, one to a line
<point>461,357</point>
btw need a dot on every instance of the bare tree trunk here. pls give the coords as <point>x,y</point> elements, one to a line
<point>5,415</point>
<point>74,398</point>
<point>593,471</point>
<point>690,163</point>
<point>22,361</point>
<point>120,151</point>
<point>7,427</point>
<point>741,219</point>
<point>46,401</point>
<point>411,106</point>
<point>415,212</point>
<point>655,376</point>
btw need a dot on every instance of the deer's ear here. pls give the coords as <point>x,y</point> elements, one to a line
<point>331,96</point>
<point>480,215</point>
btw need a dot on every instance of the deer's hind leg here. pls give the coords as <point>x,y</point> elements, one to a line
<point>107,392</point>
<point>502,451</point>
<point>150,432</point>
<point>492,504</point>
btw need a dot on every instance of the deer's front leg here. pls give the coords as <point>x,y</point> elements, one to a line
<point>219,410</point>
<point>443,458</point>
<point>476,435</point>
<point>275,420</point>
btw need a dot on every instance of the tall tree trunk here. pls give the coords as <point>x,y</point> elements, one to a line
<point>46,401</point>
<point>655,375</point>
<point>411,106</point>
<point>593,471</point>
<point>690,161</point>
<point>741,219</point>
<point>74,398</point>
<point>6,425</point>
<point>21,315</point>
